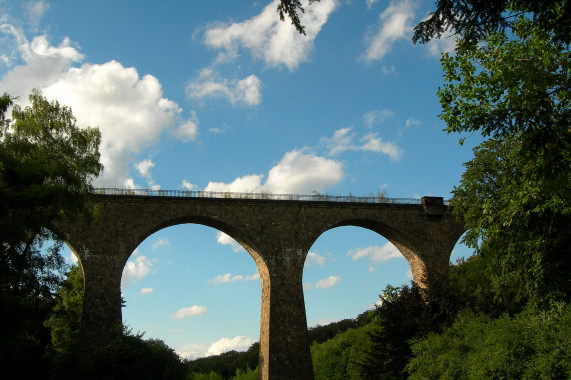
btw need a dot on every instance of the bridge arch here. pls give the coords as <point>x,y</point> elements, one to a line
<point>222,226</point>
<point>350,266</point>
<point>405,245</point>
<point>185,271</point>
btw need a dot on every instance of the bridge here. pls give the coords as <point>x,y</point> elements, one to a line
<point>277,231</point>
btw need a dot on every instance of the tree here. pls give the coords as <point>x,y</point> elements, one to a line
<point>291,9</point>
<point>528,346</point>
<point>515,196</point>
<point>66,313</point>
<point>474,20</point>
<point>46,166</point>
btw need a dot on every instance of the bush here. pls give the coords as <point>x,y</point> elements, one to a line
<point>339,357</point>
<point>530,345</point>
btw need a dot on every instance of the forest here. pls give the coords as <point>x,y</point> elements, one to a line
<point>503,312</point>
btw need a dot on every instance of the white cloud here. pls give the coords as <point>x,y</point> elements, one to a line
<point>239,343</point>
<point>370,3</point>
<point>129,110</point>
<point>327,282</point>
<point>225,239</point>
<point>307,286</point>
<point>146,291</point>
<point>35,11</point>
<point>238,92</point>
<point>314,258</point>
<point>372,118</point>
<point>411,122</point>
<point>296,173</point>
<point>267,38</point>
<point>135,270</point>
<point>299,173</point>
<point>217,131</point>
<point>228,278</point>
<point>71,258</point>
<point>188,186</point>
<point>376,254</point>
<point>189,130</point>
<point>395,24</point>
<point>162,242</point>
<point>189,312</point>
<point>373,143</point>
<point>144,168</point>
<point>192,351</point>
<point>342,140</point>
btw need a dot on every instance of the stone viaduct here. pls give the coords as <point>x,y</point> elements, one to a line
<point>276,233</point>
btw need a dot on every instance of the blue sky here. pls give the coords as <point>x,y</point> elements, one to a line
<point>222,96</point>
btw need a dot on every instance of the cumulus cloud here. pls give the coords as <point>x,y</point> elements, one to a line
<point>187,185</point>
<point>188,131</point>
<point>129,110</point>
<point>192,351</point>
<point>144,168</point>
<point>239,343</point>
<point>445,44</point>
<point>146,291</point>
<point>162,242</point>
<point>225,239</point>
<point>376,254</point>
<point>296,173</point>
<point>342,140</point>
<point>191,311</point>
<point>267,38</point>
<point>372,118</point>
<point>135,270</point>
<point>228,278</point>
<point>314,258</point>
<point>327,282</point>
<point>35,11</point>
<point>411,122</point>
<point>209,84</point>
<point>395,24</point>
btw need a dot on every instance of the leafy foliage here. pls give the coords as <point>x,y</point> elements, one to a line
<point>529,346</point>
<point>291,9</point>
<point>508,86</point>
<point>66,313</point>
<point>515,196</point>
<point>339,357</point>
<point>474,20</point>
<point>404,313</point>
<point>46,167</point>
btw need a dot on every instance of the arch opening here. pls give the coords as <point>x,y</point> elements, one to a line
<point>195,288</point>
<point>346,270</point>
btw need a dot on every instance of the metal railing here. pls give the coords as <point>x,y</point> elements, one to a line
<point>316,197</point>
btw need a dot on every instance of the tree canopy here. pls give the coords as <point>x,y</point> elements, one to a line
<point>291,9</point>
<point>47,164</point>
<point>475,20</point>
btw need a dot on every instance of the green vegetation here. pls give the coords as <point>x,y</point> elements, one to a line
<point>46,167</point>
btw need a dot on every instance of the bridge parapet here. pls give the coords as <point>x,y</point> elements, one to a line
<point>316,197</point>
